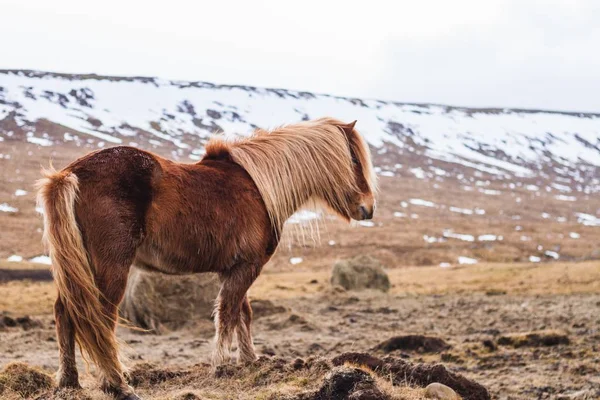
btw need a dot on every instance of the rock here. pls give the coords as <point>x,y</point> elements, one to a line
<point>439,391</point>
<point>420,343</point>
<point>358,273</point>
<point>161,302</point>
<point>534,339</point>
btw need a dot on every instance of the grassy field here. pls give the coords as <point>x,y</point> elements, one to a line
<point>37,298</point>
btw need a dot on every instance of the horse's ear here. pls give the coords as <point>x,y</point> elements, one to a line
<point>347,128</point>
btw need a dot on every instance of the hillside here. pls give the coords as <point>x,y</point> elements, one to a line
<point>458,185</point>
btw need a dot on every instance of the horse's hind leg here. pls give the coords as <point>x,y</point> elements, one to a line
<point>228,310</point>
<point>67,375</point>
<point>244,333</point>
<point>112,281</point>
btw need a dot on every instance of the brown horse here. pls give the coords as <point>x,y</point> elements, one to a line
<point>122,206</point>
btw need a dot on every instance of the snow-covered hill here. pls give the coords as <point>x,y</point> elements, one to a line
<point>47,109</point>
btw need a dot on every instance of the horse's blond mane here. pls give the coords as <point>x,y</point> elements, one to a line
<point>297,163</point>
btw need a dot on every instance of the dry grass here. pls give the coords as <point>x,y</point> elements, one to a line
<point>548,278</point>
<point>37,298</point>
<point>27,298</point>
<point>19,380</point>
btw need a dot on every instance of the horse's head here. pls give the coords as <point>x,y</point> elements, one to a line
<point>359,201</point>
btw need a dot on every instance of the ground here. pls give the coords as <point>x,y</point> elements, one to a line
<point>483,313</point>
<point>523,321</point>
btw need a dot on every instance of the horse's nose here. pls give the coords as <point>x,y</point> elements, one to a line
<point>366,214</point>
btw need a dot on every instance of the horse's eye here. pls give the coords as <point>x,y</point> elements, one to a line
<point>354,160</point>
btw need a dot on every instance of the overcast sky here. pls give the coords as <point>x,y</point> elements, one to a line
<point>527,53</point>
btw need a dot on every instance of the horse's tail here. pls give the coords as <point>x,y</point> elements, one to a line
<point>73,272</point>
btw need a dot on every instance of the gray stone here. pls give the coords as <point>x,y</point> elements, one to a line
<point>439,391</point>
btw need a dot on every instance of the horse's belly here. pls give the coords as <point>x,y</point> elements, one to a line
<point>190,260</point>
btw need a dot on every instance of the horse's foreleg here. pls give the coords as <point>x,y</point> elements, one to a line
<point>229,305</point>
<point>244,333</point>
<point>67,375</point>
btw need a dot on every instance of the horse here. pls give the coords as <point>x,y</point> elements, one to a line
<point>122,206</point>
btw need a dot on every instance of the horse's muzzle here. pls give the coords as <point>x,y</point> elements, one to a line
<point>366,214</point>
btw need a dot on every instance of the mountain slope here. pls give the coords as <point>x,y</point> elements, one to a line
<point>183,114</point>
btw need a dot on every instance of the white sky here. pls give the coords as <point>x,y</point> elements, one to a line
<point>528,53</point>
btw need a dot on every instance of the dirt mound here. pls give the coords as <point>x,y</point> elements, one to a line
<point>350,376</point>
<point>146,374</point>
<point>25,322</point>
<point>534,339</point>
<point>405,373</point>
<point>160,302</point>
<point>420,343</point>
<point>264,308</point>
<point>346,382</point>
<point>23,380</point>
<point>358,273</point>
<point>39,275</point>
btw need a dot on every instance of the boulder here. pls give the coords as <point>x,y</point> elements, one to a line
<point>440,391</point>
<point>359,273</point>
<point>160,302</point>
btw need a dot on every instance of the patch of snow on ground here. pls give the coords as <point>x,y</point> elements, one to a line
<point>303,216</point>
<point>448,233</point>
<point>6,208</point>
<point>421,202</point>
<point>552,254</point>
<point>445,265</point>
<point>368,224</point>
<point>418,173</point>
<point>41,260</point>
<point>39,141</point>
<point>14,258</point>
<point>387,173</point>
<point>489,238</point>
<point>465,211</point>
<point>490,192</point>
<point>20,192</point>
<point>295,260</point>
<point>433,239</point>
<point>534,259</point>
<point>561,188</point>
<point>574,235</point>
<point>563,197</point>
<point>584,219</point>
<point>466,260</point>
